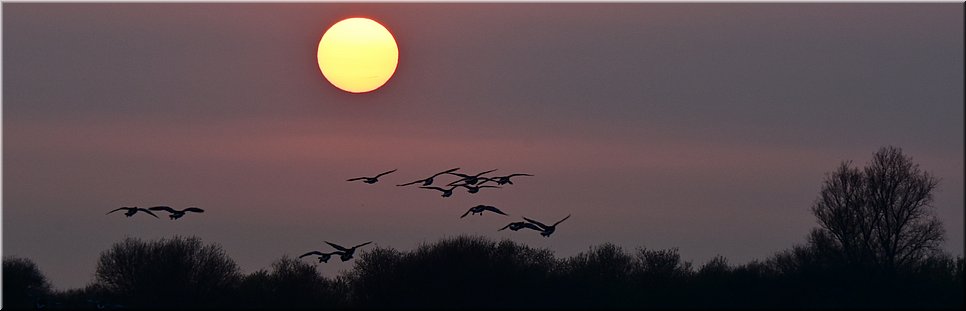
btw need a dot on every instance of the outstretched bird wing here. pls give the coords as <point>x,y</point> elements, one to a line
<point>494,209</point>
<point>119,208</point>
<point>459,174</point>
<point>565,218</point>
<point>517,174</point>
<point>360,245</point>
<point>467,212</point>
<point>377,176</point>
<point>163,208</point>
<point>536,223</point>
<point>407,184</point>
<point>478,175</point>
<point>446,171</point>
<point>194,209</point>
<point>311,253</point>
<point>507,226</point>
<point>147,211</point>
<point>337,246</point>
<point>357,178</point>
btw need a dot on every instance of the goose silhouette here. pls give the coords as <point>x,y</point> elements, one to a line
<point>502,180</point>
<point>446,192</point>
<point>346,252</point>
<point>474,189</point>
<point>323,257</point>
<point>429,180</point>
<point>370,180</point>
<point>175,214</point>
<point>468,179</point>
<point>546,230</point>
<point>479,209</point>
<point>130,211</point>
<point>520,225</point>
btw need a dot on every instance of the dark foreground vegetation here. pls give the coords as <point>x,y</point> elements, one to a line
<point>476,272</point>
<point>877,246</point>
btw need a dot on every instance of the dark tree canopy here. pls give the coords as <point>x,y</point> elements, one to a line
<point>169,272</point>
<point>23,283</point>
<point>879,216</point>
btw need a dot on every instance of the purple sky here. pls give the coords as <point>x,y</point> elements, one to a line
<point>707,127</point>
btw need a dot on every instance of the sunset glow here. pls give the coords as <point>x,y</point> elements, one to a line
<point>358,55</point>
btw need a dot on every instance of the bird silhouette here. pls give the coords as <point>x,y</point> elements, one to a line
<point>546,230</point>
<point>502,180</point>
<point>346,252</point>
<point>175,214</point>
<point>130,211</point>
<point>370,180</point>
<point>446,192</point>
<point>429,180</point>
<point>468,179</point>
<point>323,257</point>
<point>474,189</point>
<point>520,225</point>
<point>479,209</point>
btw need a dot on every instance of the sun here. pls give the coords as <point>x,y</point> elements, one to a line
<point>358,55</point>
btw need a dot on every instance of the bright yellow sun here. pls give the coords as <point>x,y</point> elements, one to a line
<point>358,55</point>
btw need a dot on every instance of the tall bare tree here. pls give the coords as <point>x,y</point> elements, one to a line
<point>880,215</point>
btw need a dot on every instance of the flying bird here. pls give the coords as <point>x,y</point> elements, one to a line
<point>429,180</point>
<point>479,209</point>
<point>474,189</point>
<point>346,252</point>
<point>446,192</point>
<point>175,214</point>
<point>502,180</point>
<point>546,230</point>
<point>323,257</point>
<point>130,211</point>
<point>370,180</point>
<point>469,179</point>
<point>520,225</point>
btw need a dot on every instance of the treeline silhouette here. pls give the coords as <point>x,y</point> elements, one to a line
<point>475,271</point>
<point>878,245</point>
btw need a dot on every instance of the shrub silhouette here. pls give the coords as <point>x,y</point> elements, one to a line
<point>464,271</point>
<point>23,284</point>
<point>175,272</point>
<point>476,272</point>
<point>292,284</point>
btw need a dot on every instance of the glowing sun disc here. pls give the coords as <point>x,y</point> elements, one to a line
<point>358,55</point>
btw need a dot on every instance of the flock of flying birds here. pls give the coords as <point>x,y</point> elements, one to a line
<point>175,214</point>
<point>472,183</point>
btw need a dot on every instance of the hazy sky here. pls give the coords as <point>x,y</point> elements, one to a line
<point>707,127</point>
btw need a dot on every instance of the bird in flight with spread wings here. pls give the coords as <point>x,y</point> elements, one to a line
<point>130,211</point>
<point>175,214</point>
<point>502,180</point>
<point>479,209</point>
<point>546,230</point>
<point>346,252</point>
<point>370,180</point>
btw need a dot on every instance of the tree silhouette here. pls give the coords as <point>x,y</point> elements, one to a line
<point>879,217</point>
<point>23,283</point>
<point>175,272</point>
